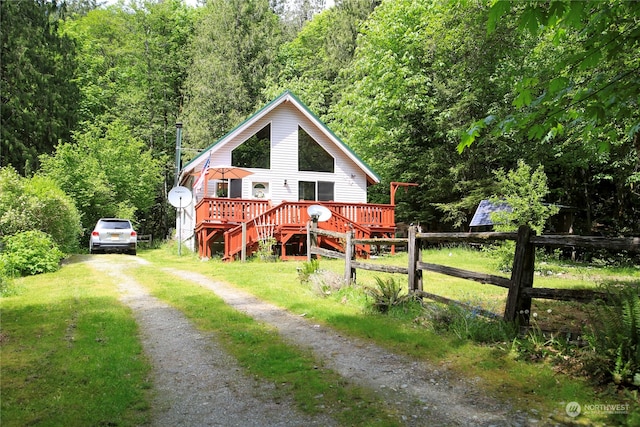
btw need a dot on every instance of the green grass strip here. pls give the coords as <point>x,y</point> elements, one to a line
<point>70,354</point>
<point>263,353</point>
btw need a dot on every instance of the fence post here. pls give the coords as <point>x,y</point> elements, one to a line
<point>414,252</point>
<point>349,271</point>
<point>518,307</point>
<point>312,238</point>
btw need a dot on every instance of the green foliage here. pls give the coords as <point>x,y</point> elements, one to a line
<point>30,252</point>
<point>265,249</point>
<point>39,92</point>
<point>224,84</point>
<point>468,324</point>
<point>38,204</point>
<point>574,98</point>
<point>524,191</point>
<point>387,293</point>
<point>401,110</point>
<point>131,66</point>
<point>311,63</point>
<point>108,172</point>
<point>308,268</point>
<point>614,339</point>
<point>591,87</point>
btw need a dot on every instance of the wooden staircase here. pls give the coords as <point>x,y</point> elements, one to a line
<point>286,221</point>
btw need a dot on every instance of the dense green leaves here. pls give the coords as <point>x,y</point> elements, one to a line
<point>29,253</point>
<point>524,190</point>
<point>311,63</point>
<point>39,96</point>
<point>108,172</point>
<point>234,44</point>
<point>403,110</point>
<point>37,203</point>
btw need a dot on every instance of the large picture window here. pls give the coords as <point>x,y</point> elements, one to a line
<point>311,156</point>
<point>320,191</point>
<point>255,152</point>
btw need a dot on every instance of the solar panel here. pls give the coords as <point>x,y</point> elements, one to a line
<point>484,211</point>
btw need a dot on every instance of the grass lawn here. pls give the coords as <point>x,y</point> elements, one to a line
<point>70,353</point>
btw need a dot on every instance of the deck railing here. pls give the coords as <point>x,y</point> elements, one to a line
<point>240,210</point>
<point>229,210</point>
<point>294,214</point>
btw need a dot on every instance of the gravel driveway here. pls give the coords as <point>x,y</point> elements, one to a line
<point>198,384</point>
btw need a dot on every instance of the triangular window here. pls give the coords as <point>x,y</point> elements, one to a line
<point>311,156</point>
<point>255,152</point>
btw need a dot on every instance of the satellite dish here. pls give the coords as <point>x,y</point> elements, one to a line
<point>180,197</point>
<point>318,212</point>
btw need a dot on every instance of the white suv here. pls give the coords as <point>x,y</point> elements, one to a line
<point>113,235</point>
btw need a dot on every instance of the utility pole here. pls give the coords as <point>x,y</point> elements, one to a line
<point>178,148</point>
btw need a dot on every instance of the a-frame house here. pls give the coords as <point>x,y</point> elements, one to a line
<point>289,160</point>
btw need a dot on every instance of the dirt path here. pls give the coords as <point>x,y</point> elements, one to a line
<point>198,384</point>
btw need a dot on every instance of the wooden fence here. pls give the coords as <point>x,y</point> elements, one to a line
<point>519,285</point>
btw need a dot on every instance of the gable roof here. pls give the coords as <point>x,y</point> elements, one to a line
<point>197,163</point>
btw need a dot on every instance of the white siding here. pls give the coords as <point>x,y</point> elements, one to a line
<point>350,182</point>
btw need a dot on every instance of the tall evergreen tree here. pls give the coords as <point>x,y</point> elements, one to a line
<point>38,92</point>
<point>310,64</point>
<point>235,41</point>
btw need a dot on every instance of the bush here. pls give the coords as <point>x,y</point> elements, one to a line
<point>387,294</point>
<point>308,268</point>
<point>29,253</point>
<point>614,339</point>
<point>38,204</point>
<point>467,323</point>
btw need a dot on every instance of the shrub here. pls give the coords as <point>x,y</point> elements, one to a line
<point>614,338</point>
<point>308,268</point>
<point>467,323</point>
<point>38,204</point>
<point>387,294</point>
<point>29,253</point>
<point>265,249</point>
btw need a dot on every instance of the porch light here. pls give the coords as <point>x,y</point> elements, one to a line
<point>285,182</point>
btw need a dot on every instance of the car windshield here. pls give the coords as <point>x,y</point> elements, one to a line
<point>117,225</point>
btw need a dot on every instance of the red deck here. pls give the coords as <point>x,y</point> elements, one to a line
<point>220,222</point>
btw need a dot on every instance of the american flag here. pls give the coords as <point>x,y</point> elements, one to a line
<point>198,185</point>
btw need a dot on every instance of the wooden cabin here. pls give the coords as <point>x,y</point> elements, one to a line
<point>257,182</point>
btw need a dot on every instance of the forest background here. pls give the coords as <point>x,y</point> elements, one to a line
<point>446,94</point>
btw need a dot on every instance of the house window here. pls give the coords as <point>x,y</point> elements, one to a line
<point>255,152</point>
<point>307,190</point>
<point>311,156</point>
<point>235,188</point>
<point>325,191</point>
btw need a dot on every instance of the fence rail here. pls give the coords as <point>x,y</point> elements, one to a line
<point>519,285</point>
